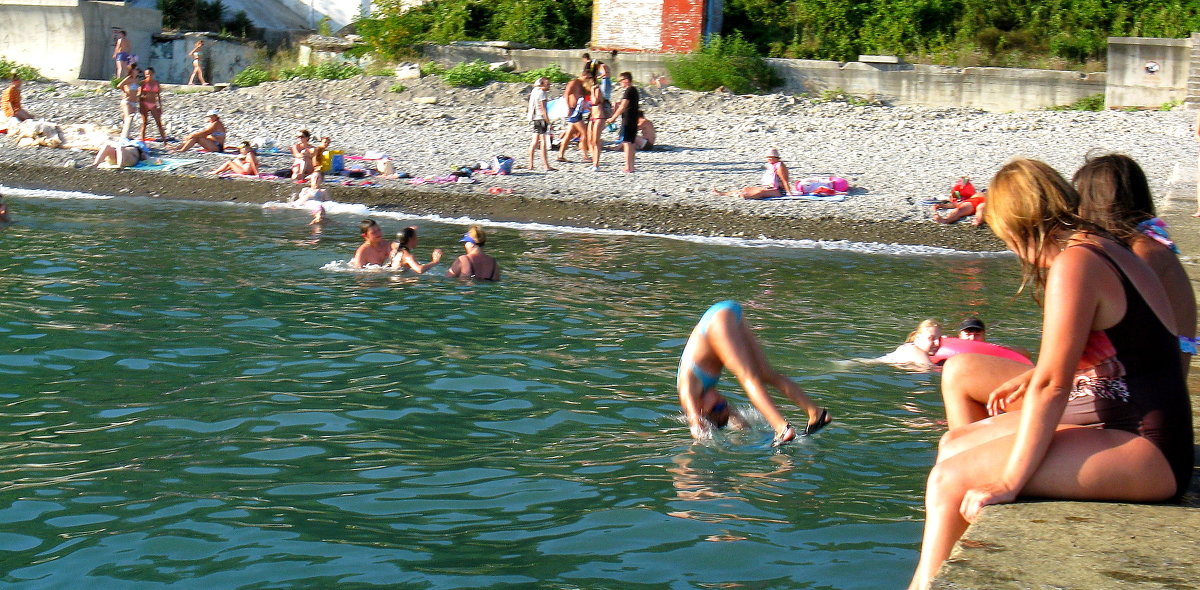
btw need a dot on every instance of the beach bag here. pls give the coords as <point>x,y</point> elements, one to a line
<point>502,165</point>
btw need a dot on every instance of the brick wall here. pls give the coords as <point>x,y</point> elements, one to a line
<point>627,25</point>
<point>682,25</point>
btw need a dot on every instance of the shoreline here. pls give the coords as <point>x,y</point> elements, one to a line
<point>896,157</point>
<point>454,201</point>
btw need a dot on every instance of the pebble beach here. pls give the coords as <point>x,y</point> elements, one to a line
<point>896,157</point>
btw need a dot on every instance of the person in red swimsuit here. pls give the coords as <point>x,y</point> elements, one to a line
<point>964,201</point>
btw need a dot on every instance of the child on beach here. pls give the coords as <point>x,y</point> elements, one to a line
<point>721,339</point>
<point>964,201</point>
<point>301,160</point>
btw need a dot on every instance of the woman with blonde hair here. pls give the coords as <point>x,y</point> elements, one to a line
<point>475,264</point>
<point>1105,413</point>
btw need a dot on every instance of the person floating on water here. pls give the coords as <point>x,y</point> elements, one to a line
<point>921,343</point>
<point>722,340</point>
<point>374,249</point>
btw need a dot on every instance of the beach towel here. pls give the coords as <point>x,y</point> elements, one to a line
<point>833,198</point>
<point>557,109</point>
<point>166,165</point>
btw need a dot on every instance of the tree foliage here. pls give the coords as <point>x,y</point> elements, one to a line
<point>730,61</point>
<point>995,31</point>
<point>393,32</point>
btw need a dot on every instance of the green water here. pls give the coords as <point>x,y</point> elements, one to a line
<point>187,397</point>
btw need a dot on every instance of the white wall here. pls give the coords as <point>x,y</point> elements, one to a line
<point>71,39</point>
<point>340,12</point>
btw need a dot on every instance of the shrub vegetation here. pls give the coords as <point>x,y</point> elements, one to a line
<point>8,68</point>
<point>730,61</point>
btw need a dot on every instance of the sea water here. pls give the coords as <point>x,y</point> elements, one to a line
<point>205,395</point>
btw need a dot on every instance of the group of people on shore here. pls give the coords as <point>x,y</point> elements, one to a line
<point>1104,414</point>
<point>589,110</point>
<point>400,254</point>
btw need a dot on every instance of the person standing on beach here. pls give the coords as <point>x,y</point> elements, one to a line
<point>600,74</point>
<point>627,110</point>
<point>150,104</point>
<point>574,94</point>
<point>197,71</point>
<point>374,249</point>
<point>10,101</point>
<point>722,340</point>
<point>129,100</point>
<point>122,53</point>
<point>540,119</point>
<point>475,264</point>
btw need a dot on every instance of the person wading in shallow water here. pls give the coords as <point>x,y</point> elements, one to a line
<point>475,264</point>
<point>374,249</point>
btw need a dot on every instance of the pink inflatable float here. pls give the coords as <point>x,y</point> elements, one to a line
<point>953,346</point>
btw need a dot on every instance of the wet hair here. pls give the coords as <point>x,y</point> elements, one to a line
<point>1029,204</point>
<point>1114,194</point>
<point>407,235</point>
<point>921,327</point>
<point>365,226</point>
<point>477,234</point>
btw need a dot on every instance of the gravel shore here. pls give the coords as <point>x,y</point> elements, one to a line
<point>896,156</point>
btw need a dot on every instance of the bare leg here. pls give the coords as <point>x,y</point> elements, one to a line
<point>740,352</point>
<point>959,212</point>
<point>565,142</point>
<point>162,133</point>
<point>1081,464</point>
<point>968,379</point>
<point>630,153</point>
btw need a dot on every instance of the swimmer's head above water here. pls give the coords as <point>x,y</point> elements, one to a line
<point>927,336</point>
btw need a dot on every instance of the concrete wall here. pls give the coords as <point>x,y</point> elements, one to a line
<point>993,89</point>
<point>72,39</point>
<point>222,58</point>
<point>1144,72</point>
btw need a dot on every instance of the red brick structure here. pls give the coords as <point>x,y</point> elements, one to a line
<point>655,26</point>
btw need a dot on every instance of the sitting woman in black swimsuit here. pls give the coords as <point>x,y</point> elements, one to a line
<point>1105,414</point>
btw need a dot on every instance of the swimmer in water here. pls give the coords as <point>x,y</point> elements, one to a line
<point>4,218</point>
<point>402,252</point>
<point>319,215</point>
<point>721,339</point>
<point>917,348</point>
<point>374,249</point>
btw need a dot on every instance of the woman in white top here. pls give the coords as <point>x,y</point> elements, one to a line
<point>774,182</point>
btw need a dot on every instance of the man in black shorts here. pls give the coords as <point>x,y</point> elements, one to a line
<point>627,110</point>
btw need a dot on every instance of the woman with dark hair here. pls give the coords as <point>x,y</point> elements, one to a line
<point>150,103</point>
<point>1105,413</point>
<point>402,252</point>
<point>1115,195</point>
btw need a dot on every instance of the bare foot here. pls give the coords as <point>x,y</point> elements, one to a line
<point>938,218</point>
<point>549,169</point>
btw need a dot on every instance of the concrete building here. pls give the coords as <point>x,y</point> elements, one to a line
<point>73,39</point>
<point>657,26</point>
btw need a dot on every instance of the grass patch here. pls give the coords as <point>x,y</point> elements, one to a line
<point>1094,102</point>
<point>397,88</point>
<point>8,68</point>
<point>730,62</point>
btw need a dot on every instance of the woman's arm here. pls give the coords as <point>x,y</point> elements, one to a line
<point>782,173</point>
<point>251,164</point>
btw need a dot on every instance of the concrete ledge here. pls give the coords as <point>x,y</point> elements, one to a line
<point>1079,545</point>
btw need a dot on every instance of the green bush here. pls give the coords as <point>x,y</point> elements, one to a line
<point>251,76</point>
<point>397,88</point>
<point>432,68</point>
<point>731,62</point>
<point>323,71</point>
<point>475,73</point>
<point>1094,102</point>
<point>551,72</point>
<point>8,68</point>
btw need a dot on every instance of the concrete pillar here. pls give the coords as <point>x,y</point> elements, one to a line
<point>1192,102</point>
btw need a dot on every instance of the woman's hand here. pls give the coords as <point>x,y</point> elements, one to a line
<point>1008,392</point>
<point>976,498</point>
<point>437,255</point>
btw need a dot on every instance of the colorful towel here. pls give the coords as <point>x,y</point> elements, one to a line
<point>167,165</point>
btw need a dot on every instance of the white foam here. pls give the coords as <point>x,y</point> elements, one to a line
<point>50,194</point>
<point>361,210</point>
<point>344,266</point>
